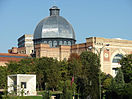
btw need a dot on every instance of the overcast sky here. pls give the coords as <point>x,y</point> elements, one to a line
<point>98,18</point>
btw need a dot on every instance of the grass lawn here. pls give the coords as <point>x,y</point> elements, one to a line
<point>24,97</point>
<point>51,92</point>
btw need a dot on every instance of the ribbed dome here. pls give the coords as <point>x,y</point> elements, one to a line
<point>54,26</point>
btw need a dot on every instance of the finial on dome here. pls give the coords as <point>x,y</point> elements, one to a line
<point>54,11</point>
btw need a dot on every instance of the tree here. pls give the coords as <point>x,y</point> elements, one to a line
<point>47,71</point>
<point>126,67</point>
<point>89,80</point>
<point>74,66</point>
<point>12,67</point>
<point>3,77</point>
<point>117,87</point>
<point>40,68</point>
<point>105,82</point>
<point>53,75</point>
<point>67,90</point>
<point>24,66</point>
<point>74,56</point>
<point>63,65</point>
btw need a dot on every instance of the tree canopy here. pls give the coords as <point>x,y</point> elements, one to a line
<point>52,74</point>
<point>126,67</point>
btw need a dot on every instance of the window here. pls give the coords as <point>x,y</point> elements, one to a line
<point>45,42</point>
<point>69,43</point>
<point>23,85</point>
<point>65,43</point>
<point>60,43</point>
<point>50,43</point>
<point>55,44</point>
<point>117,58</point>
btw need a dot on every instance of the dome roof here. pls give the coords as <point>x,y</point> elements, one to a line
<point>54,26</point>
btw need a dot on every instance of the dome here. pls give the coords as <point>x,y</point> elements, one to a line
<point>54,26</point>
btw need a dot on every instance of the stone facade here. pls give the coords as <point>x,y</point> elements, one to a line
<point>107,57</point>
<point>59,53</point>
<point>117,46</point>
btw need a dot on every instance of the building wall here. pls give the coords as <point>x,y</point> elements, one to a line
<point>25,40</point>
<point>13,50</point>
<point>117,46</point>
<point>25,44</point>
<point>59,53</point>
<point>7,57</point>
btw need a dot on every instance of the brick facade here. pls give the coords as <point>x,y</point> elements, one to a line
<point>7,57</point>
<point>117,46</point>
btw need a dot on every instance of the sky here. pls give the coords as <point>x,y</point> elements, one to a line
<point>89,18</point>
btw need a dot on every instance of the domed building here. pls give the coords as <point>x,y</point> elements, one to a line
<point>54,30</point>
<point>54,37</point>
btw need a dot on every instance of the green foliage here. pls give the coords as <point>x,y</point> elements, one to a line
<point>47,71</point>
<point>3,77</point>
<point>12,67</point>
<point>74,68</point>
<point>46,95</point>
<point>117,86</point>
<point>63,65</point>
<point>53,75</point>
<point>89,79</point>
<point>67,91</point>
<point>126,67</point>
<point>128,90</point>
<point>23,97</point>
<point>57,75</point>
<point>121,85</point>
<point>24,66</point>
<point>105,82</point>
<point>119,78</point>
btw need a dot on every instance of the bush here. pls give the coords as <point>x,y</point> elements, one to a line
<point>46,95</point>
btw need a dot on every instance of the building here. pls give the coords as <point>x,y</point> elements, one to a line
<point>7,57</point>
<point>54,30</point>
<point>110,55</point>
<point>22,83</point>
<point>55,37</point>
<point>51,40</point>
<point>25,44</point>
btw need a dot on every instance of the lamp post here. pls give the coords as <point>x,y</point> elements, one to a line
<point>99,54</point>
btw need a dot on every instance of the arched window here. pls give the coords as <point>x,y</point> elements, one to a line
<point>117,58</point>
<point>55,44</point>
<point>50,43</point>
<point>65,43</point>
<point>60,43</point>
<point>116,64</point>
<point>45,42</point>
<point>69,43</point>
